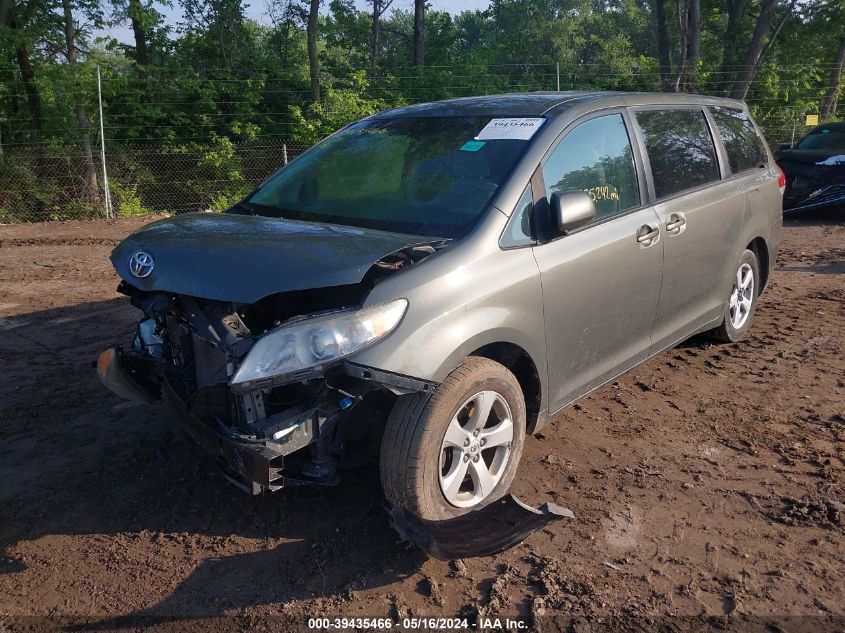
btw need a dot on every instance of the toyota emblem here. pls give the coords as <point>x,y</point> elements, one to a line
<point>141,264</point>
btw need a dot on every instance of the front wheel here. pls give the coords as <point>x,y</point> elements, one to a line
<point>457,450</point>
<point>739,308</point>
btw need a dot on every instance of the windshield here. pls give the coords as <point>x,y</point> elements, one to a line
<point>828,137</point>
<point>421,176</point>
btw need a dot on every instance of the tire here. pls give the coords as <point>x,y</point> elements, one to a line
<point>734,328</point>
<point>419,465</point>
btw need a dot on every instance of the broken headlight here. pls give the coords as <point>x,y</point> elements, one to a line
<point>315,342</point>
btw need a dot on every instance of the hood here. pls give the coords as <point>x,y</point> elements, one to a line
<point>243,258</point>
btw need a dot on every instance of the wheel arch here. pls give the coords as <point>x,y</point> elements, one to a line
<point>527,368</point>
<point>523,367</point>
<point>760,249</point>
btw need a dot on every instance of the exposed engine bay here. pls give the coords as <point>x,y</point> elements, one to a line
<point>197,355</point>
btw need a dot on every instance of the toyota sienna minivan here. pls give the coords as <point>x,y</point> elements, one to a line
<point>433,283</point>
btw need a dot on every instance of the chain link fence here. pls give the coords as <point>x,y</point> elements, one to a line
<point>39,183</point>
<point>777,136</point>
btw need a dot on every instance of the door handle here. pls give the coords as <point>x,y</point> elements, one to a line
<point>676,223</point>
<point>648,235</point>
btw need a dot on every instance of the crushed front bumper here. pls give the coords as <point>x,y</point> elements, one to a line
<point>484,532</point>
<point>114,374</point>
<point>253,466</point>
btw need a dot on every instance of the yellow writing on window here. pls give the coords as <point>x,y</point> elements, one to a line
<point>603,192</point>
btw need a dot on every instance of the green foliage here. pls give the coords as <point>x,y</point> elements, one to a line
<point>126,200</point>
<point>40,188</point>
<point>338,107</point>
<point>17,182</point>
<point>220,181</point>
<point>221,81</point>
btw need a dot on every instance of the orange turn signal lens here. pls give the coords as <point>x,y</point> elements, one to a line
<point>104,361</point>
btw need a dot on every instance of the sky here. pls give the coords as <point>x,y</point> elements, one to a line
<point>257,10</point>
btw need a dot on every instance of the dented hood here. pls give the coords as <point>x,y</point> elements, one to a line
<point>243,258</point>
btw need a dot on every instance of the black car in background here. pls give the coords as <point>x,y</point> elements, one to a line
<point>815,169</point>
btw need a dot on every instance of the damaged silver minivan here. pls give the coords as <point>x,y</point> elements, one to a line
<point>433,283</point>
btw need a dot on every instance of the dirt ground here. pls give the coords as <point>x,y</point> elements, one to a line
<point>708,482</point>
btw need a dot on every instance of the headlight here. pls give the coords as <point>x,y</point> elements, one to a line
<point>309,345</point>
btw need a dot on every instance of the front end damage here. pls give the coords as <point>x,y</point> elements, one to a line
<point>250,330</point>
<point>293,429</point>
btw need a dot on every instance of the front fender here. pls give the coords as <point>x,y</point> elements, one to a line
<point>458,302</point>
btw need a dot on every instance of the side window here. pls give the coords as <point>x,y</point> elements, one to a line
<point>679,148</point>
<point>596,157</point>
<point>518,231</point>
<point>743,145</point>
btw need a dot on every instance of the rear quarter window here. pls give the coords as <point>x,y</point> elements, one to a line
<point>743,145</point>
<point>680,149</point>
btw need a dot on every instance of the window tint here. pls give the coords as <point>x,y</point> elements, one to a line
<point>824,137</point>
<point>596,157</point>
<point>744,147</point>
<point>519,228</point>
<point>679,148</point>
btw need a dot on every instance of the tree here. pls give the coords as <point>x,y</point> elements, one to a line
<point>313,60</point>
<point>223,18</point>
<point>136,16</point>
<point>142,17</point>
<point>756,48</point>
<point>339,107</point>
<point>225,78</point>
<point>91,189</point>
<point>689,28</point>
<point>665,65</point>
<point>829,103</point>
<point>379,8</point>
<point>419,33</point>
<point>288,16</point>
<point>16,19</point>
<point>736,10</point>
<point>832,12</point>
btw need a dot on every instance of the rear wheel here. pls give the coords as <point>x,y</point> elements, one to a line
<point>458,449</point>
<point>739,308</point>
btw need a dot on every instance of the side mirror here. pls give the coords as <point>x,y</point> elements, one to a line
<point>571,209</point>
<point>786,146</point>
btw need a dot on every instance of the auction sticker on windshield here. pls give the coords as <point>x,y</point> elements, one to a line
<point>510,129</point>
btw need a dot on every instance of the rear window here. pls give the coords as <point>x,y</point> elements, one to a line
<point>680,149</point>
<point>825,137</point>
<point>744,147</point>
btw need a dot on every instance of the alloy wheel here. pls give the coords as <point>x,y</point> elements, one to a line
<point>476,449</point>
<point>742,296</point>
